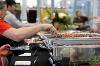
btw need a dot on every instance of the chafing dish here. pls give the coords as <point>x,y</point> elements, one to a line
<point>75,53</point>
<point>71,40</point>
<point>81,47</point>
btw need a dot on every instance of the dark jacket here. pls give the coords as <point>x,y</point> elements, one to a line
<point>81,19</point>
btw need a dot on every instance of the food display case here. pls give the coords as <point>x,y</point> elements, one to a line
<point>62,49</point>
<point>78,48</point>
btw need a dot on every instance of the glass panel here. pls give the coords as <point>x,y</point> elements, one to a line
<point>99,8</point>
<point>32,3</point>
<point>70,6</point>
<point>45,3</point>
<point>49,3</point>
<point>19,1</point>
<point>57,3</point>
<point>84,6</point>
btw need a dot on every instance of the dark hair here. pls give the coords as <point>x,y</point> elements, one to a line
<point>77,11</point>
<point>10,2</point>
<point>2,4</point>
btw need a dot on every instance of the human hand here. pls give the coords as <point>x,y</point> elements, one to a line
<point>49,28</point>
<point>4,50</point>
<point>95,30</point>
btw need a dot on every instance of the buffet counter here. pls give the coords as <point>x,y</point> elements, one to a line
<point>66,49</point>
<point>77,46</point>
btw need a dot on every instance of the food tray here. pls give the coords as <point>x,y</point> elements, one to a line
<point>69,41</point>
<point>82,47</point>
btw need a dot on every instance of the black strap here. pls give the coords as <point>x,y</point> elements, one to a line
<point>11,42</point>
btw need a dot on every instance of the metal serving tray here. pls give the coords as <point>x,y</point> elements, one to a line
<point>71,41</point>
<point>82,47</point>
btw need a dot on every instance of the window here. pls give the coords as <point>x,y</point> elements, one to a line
<point>57,3</point>
<point>45,3</point>
<point>30,3</point>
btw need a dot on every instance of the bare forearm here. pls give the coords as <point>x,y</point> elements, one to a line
<point>27,25</point>
<point>26,32</point>
<point>91,17</point>
<point>21,33</point>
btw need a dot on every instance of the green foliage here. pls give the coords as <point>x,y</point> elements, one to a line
<point>95,60</point>
<point>65,20</point>
<point>48,11</point>
<point>61,18</point>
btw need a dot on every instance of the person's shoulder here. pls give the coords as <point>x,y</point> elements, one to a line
<point>8,13</point>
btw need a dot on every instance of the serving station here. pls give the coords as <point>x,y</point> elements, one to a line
<point>64,49</point>
<point>72,47</point>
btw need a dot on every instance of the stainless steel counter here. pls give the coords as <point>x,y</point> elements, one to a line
<point>77,48</point>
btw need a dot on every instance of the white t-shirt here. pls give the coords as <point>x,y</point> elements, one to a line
<point>13,21</point>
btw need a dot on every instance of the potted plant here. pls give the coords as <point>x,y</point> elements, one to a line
<point>60,20</point>
<point>95,61</point>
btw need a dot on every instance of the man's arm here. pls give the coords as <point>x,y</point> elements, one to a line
<point>92,17</point>
<point>19,24</point>
<point>25,32</point>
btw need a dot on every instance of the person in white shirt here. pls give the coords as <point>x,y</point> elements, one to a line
<point>11,18</point>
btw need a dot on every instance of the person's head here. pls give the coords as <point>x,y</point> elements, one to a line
<point>3,9</point>
<point>11,5</point>
<point>78,13</point>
